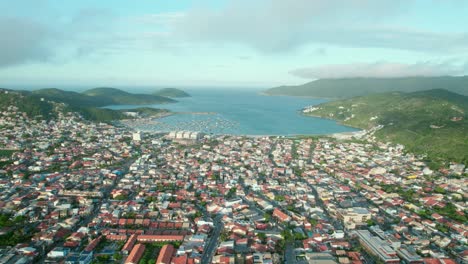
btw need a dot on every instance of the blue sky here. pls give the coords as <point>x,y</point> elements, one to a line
<point>227,43</point>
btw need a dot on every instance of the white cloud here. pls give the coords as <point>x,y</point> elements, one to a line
<point>279,25</point>
<point>23,40</point>
<point>379,69</point>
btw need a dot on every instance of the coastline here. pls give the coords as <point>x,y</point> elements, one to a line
<point>342,135</point>
<point>337,121</point>
<point>263,93</point>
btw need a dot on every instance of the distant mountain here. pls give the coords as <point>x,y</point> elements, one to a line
<point>432,122</point>
<point>120,97</point>
<point>350,87</point>
<point>172,93</point>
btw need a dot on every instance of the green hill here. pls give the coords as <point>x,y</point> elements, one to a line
<point>30,105</point>
<point>172,93</point>
<point>45,104</point>
<point>430,122</point>
<point>351,87</point>
<point>72,98</point>
<point>120,97</point>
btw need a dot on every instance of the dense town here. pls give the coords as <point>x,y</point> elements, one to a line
<point>73,191</point>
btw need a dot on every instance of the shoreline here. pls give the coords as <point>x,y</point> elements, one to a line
<point>154,120</point>
<point>263,93</point>
<point>337,121</point>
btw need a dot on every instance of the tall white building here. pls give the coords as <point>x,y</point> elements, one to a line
<point>137,136</point>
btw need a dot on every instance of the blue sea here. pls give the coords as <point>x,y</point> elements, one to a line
<point>241,112</point>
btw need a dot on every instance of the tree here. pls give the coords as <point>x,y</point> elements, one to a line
<point>262,236</point>
<point>267,217</point>
<point>313,222</point>
<point>223,236</point>
<point>370,222</point>
<point>286,234</point>
<point>231,193</point>
<point>439,189</point>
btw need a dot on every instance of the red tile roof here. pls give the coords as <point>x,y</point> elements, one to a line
<point>165,255</point>
<point>280,215</point>
<point>136,254</point>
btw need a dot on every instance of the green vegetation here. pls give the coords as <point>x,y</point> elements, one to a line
<point>120,97</point>
<point>6,153</point>
<point>152,251</point>
<point>6,221</point>
<point>72,98</point>
<point>38,103</point>
<point>98,97</point>
<point>450,211</point>
<point>351,87</point>
<point>172,93</point>
<point>279,198</point>
<point>121,197</point>
<point>99,114</point>
<point>13,238</point>
<point>146,111</point>
<point>32,106</point>
<point>15,235</point>
<point>431,122</point>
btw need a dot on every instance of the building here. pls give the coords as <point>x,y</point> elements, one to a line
<point>377,247</point>
<point>165,255</point>
<point>58,252</point>
<point>136,254</point>
<point>137,136</point>
<point>353,217</point>
<point>232,202</point>
<point>131,114</point>
<point>185,136</point>
<point>159,238</point>
<point>282,217</point>
<point>129,244</point>
<point>409,256</point>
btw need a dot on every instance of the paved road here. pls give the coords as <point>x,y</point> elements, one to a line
<point>212,244</point>
<point>289,255</point>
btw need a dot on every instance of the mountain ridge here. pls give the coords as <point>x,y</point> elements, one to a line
<point>432,122</point>
<point>359,86</point>
<point>171,93</point>
<point>122,97</point>
<point>46,103</point>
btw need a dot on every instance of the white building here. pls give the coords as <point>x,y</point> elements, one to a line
<point>185,135</point>
<point>137,136</point>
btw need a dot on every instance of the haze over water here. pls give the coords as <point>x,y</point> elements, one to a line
<point>242,112</point>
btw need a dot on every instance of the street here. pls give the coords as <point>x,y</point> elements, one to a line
<point>211,246</point>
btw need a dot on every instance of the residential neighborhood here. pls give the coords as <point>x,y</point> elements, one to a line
<point>73,191</point>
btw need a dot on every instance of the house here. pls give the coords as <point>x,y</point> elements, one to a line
<point>135,254</point>
<point>278,214</point>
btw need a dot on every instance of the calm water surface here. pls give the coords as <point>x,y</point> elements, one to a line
<point>242,112</point>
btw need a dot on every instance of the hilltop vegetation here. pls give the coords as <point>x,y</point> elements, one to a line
<point>47,103</point>
<point>119,97</point>
<point>72,98</point>
<point>32,106</point>
<point>430,122</point>
<point>351,87</point>
<point>172,93</point>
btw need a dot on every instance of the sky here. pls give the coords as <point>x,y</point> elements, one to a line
<point>227,43</point>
